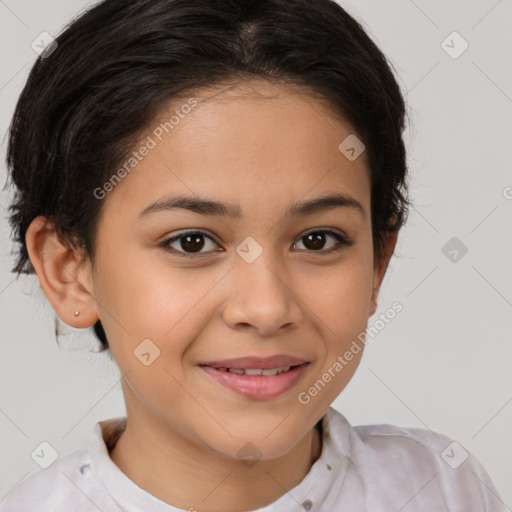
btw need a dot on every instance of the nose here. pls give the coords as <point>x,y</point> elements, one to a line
<point>262,298</point>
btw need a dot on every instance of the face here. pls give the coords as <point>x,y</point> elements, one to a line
<point>176,288</point>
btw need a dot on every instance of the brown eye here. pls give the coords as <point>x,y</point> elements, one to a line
<point>315,241</point>
<point>188,243</point>
<point>192,243</point>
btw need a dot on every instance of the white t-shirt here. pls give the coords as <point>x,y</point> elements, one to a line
<point>368,468</point>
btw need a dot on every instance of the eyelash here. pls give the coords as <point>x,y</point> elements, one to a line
<point>342,242</point>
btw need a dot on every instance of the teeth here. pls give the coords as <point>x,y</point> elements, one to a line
<point>257,371</point>
<point>253,371</point>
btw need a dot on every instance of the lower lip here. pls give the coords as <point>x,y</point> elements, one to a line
<point>257,386</point>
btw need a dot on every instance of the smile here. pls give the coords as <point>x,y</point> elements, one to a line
<point>257,383</point>
<point>256,371</point>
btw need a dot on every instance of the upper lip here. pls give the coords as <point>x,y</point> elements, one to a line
<point>263,363</point>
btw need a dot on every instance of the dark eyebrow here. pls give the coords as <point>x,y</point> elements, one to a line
<point>213,208</point>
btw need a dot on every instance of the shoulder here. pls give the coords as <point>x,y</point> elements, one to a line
<point>65,484</point>
<point>403,442</point>
<point>414,447</point>
<point>415,460</point>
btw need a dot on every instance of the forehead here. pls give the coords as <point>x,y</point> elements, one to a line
<point>253,144</point>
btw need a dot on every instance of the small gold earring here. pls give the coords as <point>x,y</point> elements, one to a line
<point>77,313</point>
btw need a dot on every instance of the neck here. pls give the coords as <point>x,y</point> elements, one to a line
<point>214,481</point>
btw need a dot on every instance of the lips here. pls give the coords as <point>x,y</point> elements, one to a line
<point>259,386</point>
<point>257,377</point>
<point>256,363</point>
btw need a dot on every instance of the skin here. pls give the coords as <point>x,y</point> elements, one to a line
<point>262,147</point>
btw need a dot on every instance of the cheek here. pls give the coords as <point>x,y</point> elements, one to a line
<point>145,308</point>
<point>341,297</point>
<point>342,304</point>
<point>341,301</point>
<point>150,297</point>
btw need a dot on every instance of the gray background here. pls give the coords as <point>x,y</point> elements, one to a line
<point>443,363</point>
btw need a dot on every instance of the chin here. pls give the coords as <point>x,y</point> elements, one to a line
<point>257,445</point>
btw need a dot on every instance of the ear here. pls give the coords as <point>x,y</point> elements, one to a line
<point>65,279</point>
<point>380,268</point>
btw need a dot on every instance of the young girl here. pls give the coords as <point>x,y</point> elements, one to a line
<point>217,187</point>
